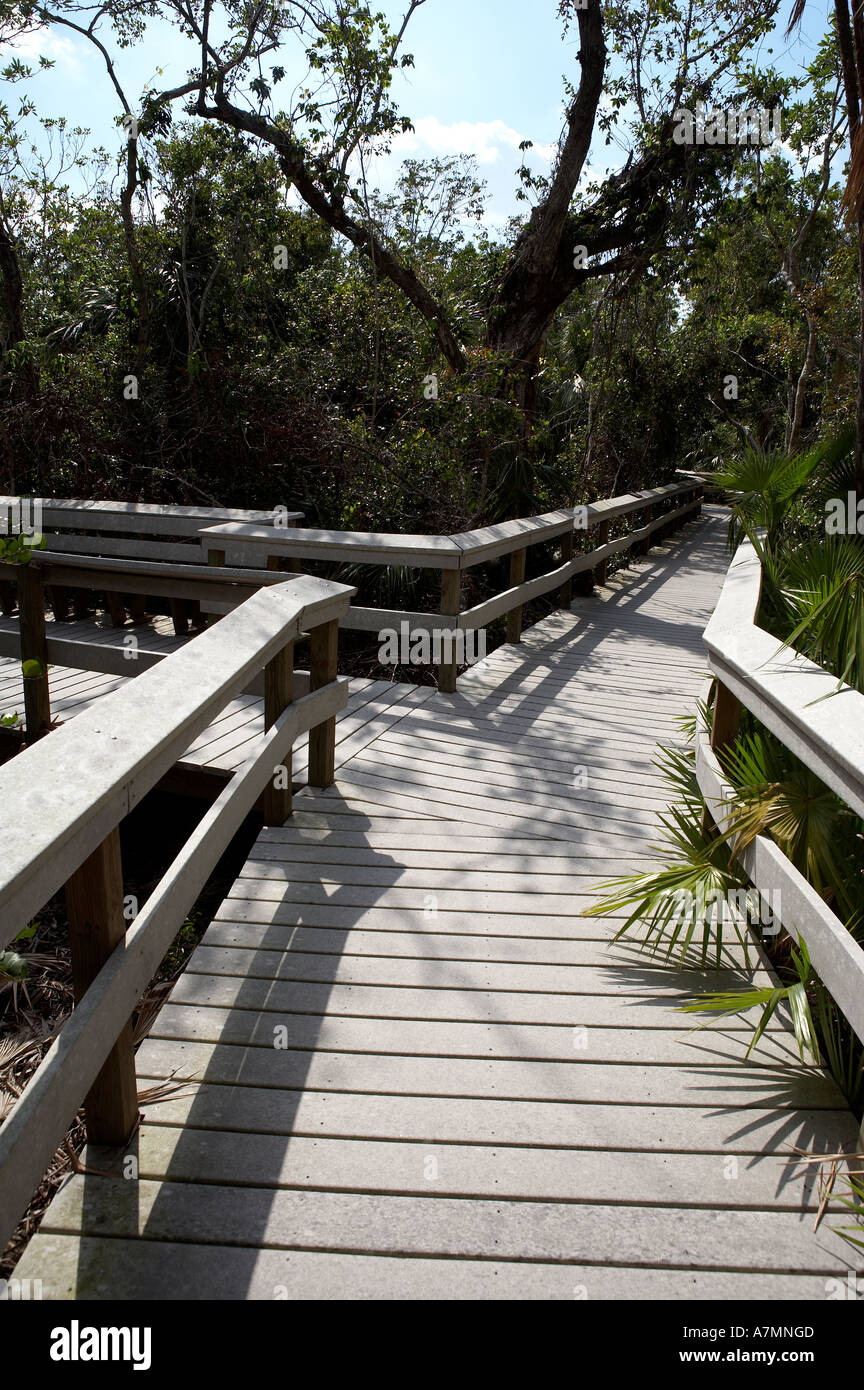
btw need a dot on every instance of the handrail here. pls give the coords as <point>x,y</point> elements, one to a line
<point>454,555</point>
<point>163,519</point>
<point>70,789</point>
<point>818,719</point>
<point>459,551</point>
<point>67,796</point>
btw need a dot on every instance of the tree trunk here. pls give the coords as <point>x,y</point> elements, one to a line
<point>859,398</point>
<point>849,36</point>
<point>12,284</point>
<point>13,290</point>
<point>796,416</point>
<point>133,255</point>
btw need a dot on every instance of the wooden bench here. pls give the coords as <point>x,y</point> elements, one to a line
<point>142,531</point>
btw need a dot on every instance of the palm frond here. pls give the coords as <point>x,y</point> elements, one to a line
<point>779,796</point>
<point>822,587</point>
<point>725,1003</point>
<point>679,902</point>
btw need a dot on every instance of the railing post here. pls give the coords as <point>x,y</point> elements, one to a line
<point>94,902</point>
<point>727,717</point>
<point>324,642</point>
<point>650,516</point>
<point>517,576</point>
<point>278,694</point>
<point>286,564</point>
<point>137,605</point>
<point>724,730</point>
<point>34,648</point>
<point>565,593</point>
<point>601,567</point>
<point>216,560</point>
<point>641,547</point>
<point>59,601</point>
<point>451,603</point>
<point>7,597</point>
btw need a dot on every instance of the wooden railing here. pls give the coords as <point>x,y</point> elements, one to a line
<point>128,531</point>
<point>42,643</point>
<point>275,545</point>
<point>818,719</point>
<point>665,508</point>
<point>64,799</point>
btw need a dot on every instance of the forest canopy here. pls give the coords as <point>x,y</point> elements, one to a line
<point>213,301</point>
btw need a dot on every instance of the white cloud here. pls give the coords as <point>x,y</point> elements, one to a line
<point>486,140</point>
<point>41,41</point>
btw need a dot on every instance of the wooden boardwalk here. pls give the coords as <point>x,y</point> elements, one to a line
<point>222,747</point>
<point>418,1071</point>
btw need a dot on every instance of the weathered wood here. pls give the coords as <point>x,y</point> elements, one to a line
<point>565,593</point>
<point>137,605</point>
<point>601,568</point>
<point>42,1116</point>
<point>77,785</point>
<point>94,903</point>
<point>8,597</point>
<point>215,560</point>
<point>323,667</point>
<point>34,648</point>
<point>59,599</point>
<point>433,995</point>
<point>836,955</point>
<point>116,608</point>
<point>479,547</point>
<point>517,576</point>
<point>153,518</point>
<point>502,604</point>
<point>451,602</point>
<point>727,717</point>
<point>355,547</point>
<point>278,695</point>
<point>179,616</point>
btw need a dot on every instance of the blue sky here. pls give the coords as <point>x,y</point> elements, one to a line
<point>488,73</point>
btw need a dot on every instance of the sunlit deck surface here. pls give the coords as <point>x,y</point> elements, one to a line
<point>416,1070</point>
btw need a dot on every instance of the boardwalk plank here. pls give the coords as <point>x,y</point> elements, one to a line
<point>402,1063</point>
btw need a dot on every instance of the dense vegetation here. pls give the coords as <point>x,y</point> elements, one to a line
<point>220,308</point>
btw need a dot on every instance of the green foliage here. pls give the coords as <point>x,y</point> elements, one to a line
<point>730,1002</point>
<point>677,904</point>
<point>766,483</point>
<point>16,549</point>
<point>13,967</point>
<point>822,587</point>
<point>777,795</point>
